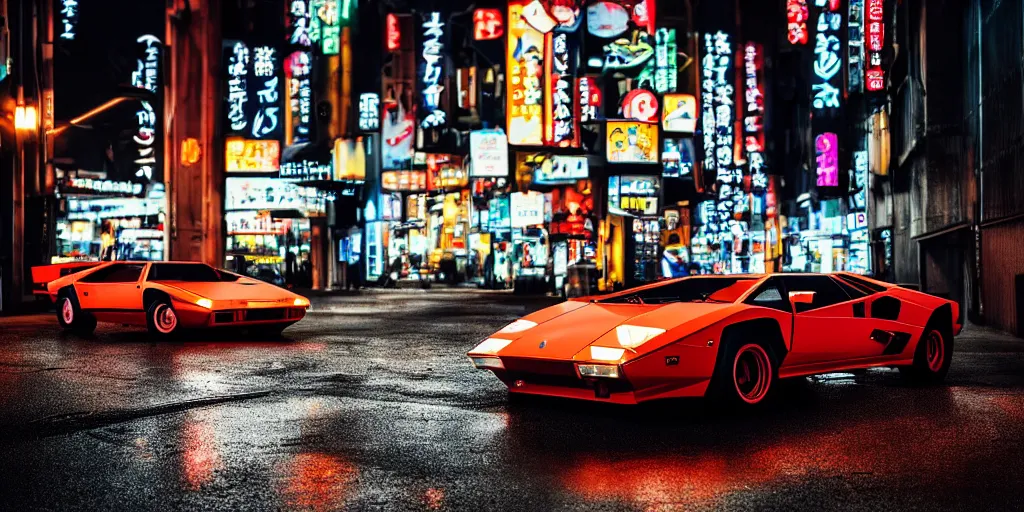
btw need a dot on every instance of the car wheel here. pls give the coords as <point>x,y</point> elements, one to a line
<point>162,319</point>
<point>745,376</point>
<point>931,358</point>
<point>71,317</point>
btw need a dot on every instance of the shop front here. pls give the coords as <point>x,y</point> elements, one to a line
<point>633,209</point>
<point>103,219</point>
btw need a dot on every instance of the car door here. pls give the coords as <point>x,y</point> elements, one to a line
<point>113,289</point>
<point>827,330</point>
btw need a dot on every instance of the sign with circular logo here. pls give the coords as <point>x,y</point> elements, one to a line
<point>641,105</point>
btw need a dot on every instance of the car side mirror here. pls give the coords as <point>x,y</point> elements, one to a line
<point>801,298</point>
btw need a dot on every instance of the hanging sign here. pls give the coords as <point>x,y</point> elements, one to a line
<point>590,99</point>
<point>253,100</point>
<point>432,75</point>
<point>297,70</point>
<point>640,105</point>
<point>796,18</point>
<point>248,155</point>
<point>607,19</point>
<point>855,47</point>
<point>679,113</point>
<point>826,149</point>
<point>487,24</point>
<point>632,142</point>
<point>717,103</point>
<point>147,135</point>
<point>326,24</point>
<point>527,209</point>
<point>666,53</point>
<point>561,130</point>
<point>525,65</point>
<point>488,150</point>
<point>753,117</point>
<point>393,35</point>
<point>298,24</point>
<point>677,158</point>
<point>561,170</point>
<point>634,194</point>
<point>874,78</point>
<point>68,19</point>
<point>306,170</point>
<point>827,81</point>
<point>369,111</point>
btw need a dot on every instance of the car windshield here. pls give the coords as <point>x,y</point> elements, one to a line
<point>190,272</point>
<point>693,289</point>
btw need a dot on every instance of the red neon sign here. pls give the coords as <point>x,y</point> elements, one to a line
<point>874,75</point>
<point>796,16</point>
<point>394,33</point>
<point>487,24</point>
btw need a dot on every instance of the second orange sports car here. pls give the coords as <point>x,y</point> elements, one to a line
<point>167,297</point>
<point>731,337</point>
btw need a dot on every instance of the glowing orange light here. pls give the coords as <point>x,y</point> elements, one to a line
<point>190,151</point>
<point>25,117</point>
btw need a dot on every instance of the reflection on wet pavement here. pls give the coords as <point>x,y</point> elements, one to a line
<point>376,411</point>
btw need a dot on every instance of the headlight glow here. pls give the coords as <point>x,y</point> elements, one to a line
<point>518,326</point>
<point>204,303</point>
<point>610,371</point>
<point>632,336</point>
<point>487,362</point>
<point>606,353</point>
<point>490,346</point>
<point>299,301</point>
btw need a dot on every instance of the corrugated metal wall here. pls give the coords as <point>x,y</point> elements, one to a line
<point>1002,260</point>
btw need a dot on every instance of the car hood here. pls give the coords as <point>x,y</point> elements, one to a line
<point>242,289</point>
<point>573,328</point>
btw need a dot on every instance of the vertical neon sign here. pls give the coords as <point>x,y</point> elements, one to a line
<point>875,38</point>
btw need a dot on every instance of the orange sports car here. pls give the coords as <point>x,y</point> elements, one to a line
<point>165,297</point>
<point>728,337</point>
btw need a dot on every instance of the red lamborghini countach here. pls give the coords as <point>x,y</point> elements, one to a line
<point>730,337</point>
<point>165,297</point>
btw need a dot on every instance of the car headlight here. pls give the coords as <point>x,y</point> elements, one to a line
<point>606,353</point>
<point>204,303</point>
<point>490,346</point>
<point>632,336</point>
<point>518,326</point>
<point>610,371</point>
<point>300,302</point>
<point>487,363</point>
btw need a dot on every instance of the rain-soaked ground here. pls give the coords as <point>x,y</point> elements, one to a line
<point>370,404</point>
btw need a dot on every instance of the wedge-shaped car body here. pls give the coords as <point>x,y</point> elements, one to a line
<point>166,297</point>
<point>727,336</point>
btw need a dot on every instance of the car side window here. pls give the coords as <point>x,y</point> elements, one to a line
<point>117,273</point>
<point>769,295</point>
<point>852,291</point>
<point>826,291</point>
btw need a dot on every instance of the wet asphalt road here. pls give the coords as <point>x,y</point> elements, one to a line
<point>370,404</point>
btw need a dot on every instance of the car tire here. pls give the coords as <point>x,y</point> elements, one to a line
<point>71,317</point>
<point>746,374</point>
<point>162,320</point>
<point>932,357</point>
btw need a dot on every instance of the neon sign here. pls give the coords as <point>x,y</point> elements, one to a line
<point>68,19</point>
<point>590,99</point>
<point>299,95</point>
<point>717,106</point>
<point>328,16</point>
<point>393,39</point>
<point>247,155</point>
<point>826,149</point>
<point>666,74</point>
<point>753,119</point>
<point>641,105</point>
<point>561,130</point>
<point>432,72</point>
<point>525,65</point>
<point>265,122</point>
<point>796,16</point>
<point>875,38</point>
<point>855,46</point>
<point>298,23</point>
<point>306,170</point>
<point>146,76</point>
<point>369,111</point>
<point>827,82</point>
<point>487,24</point>
<point>238,95</point>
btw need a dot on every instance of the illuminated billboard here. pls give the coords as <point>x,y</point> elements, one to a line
<point>525,68</point>
<point>561,170</point>
<point>632,142</point>
<point>679,113</point>
<point>826,150</point>
<point>248,155</point>
<point>634,194</point>
<point>488,150</point>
